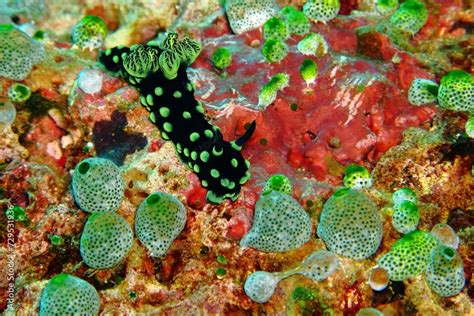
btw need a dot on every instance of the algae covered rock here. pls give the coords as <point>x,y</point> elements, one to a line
<point>280,224</point>
<point>409,256</point>
<point>106,240</point>
<point>97,185</point>
<point>66,294</point>
<point>350,224</point>
<point>159,220</point>
<point>445,272</point>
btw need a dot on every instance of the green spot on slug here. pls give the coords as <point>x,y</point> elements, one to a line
<point>143,101</point>
<point>235,146</point>
<point>186,115</point>
<point>194,155</point>
<point>153,117</point>
<point>217,153</point>
<point>194,136</point>
<point>208,133</point>
<point>196,168</point>
<point>164,111</point>
<point>149,99</point>
<point>177,94</point>
<point>204,156</point>
<point>225,182</point>
<point>234,162</point>
<point>108,52</point>
<point>168,127</point>
<point>204,183</point>
<point>199,108</point>
<point>186,152</point>
<point>189,87</point>
<point>164,136</point>
<point>115,59</point>
<point>159,91</point>
<point>215,173</point>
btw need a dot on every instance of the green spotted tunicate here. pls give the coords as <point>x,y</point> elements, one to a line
<point>357,177</point>
<point>406,217</point>
<point>469,127</point>
<point>66,294</point>
<point>445,272</point>
<point>280,224</point>
<point>309,71</point>
<point>7,112</point>
<point>106,240</point>
<point>159,220</point>
<point>422,91</point>
<point>245,15</point>
<point>97,185</point>
<point>321,10</point>
<point>221,58</point>
<point>319,265</point>
<point>275,28</point>
<point>261,285</point>
<point>456,91</point>
<point>280,183</point>
<point>403,194</point>
<point>19,92</point>
<point>274,50</point>
<point>19,53</point>
<point>313,44</point>
<point>410,17</point>
<point>269,91</point>
<point>89,32</point>
<point>409,256</point>
<point>350,224</point>
<point>296,21</point>
<point>386,6</point>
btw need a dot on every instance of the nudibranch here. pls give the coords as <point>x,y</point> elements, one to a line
<point>158,71</point>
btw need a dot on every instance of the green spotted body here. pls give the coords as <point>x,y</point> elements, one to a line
<point>296,21</point>
<point>169,97</point>
<point>422,91</point>
<point>321,10</point>
<point>89,32</point>
<point>456,91</point>
<point>410,17</point>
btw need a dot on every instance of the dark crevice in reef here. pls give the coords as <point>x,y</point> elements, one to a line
<point>112,142</point>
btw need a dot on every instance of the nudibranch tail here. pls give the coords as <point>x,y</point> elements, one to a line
<point>167,93</point>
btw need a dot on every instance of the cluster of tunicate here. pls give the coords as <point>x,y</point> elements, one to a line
<point>409,256</point>
<point>357,177</point>
<point>274,50</point>
<point>309,71</point>
<point>350,224</point>
<point>89,32</point>
<point>66,294</point>
<point>386,6</point>
<point>313,44</point>
<point>445,271</point>
<point>280,183</point>
<point>97,185</point>
<point>410,17</point>
<point>406,217</point>
<point>280,224</point>
<point>446,235</point>
<point>269,91</point>
<point>456,91</point>
<point>19,53</point>
<point>159,220</point>
<point>321,10</point>
<point>106,239</point>
<point>7,112</point>
<point>221,58</point>
<point>422,91</point>
<point>296,21</point>
<point>19,92</point>
<point>275,28</point>
<point>261,285</point>
<point>378,278</point>
<point>245,15</point>
<point>90,81</point>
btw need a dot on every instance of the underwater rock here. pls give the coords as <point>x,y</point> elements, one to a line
<point>350,224</point>
<point>280,224</point>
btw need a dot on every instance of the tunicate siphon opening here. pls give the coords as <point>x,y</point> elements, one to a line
<point>84,167</point>
<point>378,278</point>
<point>153,199</point>
<point>448,252</point>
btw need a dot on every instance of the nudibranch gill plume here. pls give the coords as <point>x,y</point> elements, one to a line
<point>158,71</point>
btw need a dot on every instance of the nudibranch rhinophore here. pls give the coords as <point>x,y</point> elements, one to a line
<point>158,71</point>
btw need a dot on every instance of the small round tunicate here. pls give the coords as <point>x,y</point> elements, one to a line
<point>319,265</point>
<point>7,113</point>
<point>90,81</point>
<point>260,286</point>
<point>446,235</point>
<point>378,278</point>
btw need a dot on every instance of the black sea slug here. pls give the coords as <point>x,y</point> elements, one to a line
<point>158,71</point>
